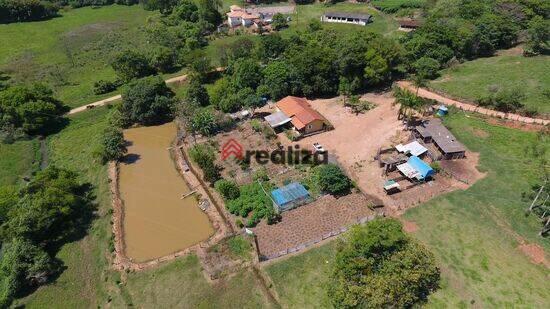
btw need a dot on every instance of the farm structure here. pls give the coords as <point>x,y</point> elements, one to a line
<point>298,112</point>
<point>238,16</point>
<point>290,196</point>
<point>434,131</point>
<point>347,18</point>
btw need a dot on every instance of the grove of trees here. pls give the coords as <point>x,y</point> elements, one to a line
<point>35,221</point>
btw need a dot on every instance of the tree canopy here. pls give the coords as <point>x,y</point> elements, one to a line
<point>379,266</point>
<point>147,101</point>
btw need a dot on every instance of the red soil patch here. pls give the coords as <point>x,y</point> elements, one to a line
<point>535,252</point>
<point>409,226</point>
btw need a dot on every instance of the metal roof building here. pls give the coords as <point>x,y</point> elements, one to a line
<point>292,195</point>
<point>415,168</point>
<point>347,18</point>
<point>434,130</point>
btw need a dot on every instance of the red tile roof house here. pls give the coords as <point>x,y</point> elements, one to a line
<point>300,114</point>
<point>238,16</point>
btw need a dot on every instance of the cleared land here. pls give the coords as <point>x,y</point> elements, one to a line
<point>73,51</point>
<point>472,79</point>
<point>473,233</point>
<point>18,160</point>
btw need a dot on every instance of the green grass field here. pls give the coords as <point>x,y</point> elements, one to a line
<point>471,233</point>
<point>17,160</point>
<point>472,79</point>
<point>73,51</point>
<point>88,280</point>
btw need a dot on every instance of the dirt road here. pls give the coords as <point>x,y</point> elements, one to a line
<point>173,80</point>
<point>469,107</point>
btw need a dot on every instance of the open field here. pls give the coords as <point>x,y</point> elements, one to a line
<point>83,283</point>
<point>18,160</point>
<point>473,233</point>
<point>180,284</point>
<point>73,51</point>
<point>472,79</point>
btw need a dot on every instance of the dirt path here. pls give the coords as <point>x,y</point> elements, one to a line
<point>469,107</point>
<point>173,80</point>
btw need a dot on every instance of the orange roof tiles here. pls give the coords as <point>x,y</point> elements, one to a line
<point>299,110</point>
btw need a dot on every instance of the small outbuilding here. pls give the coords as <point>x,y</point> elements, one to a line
<point>290,196</point>
<point>413,148</point>
<point>417,169</point>
<point>434,131</point>
<point>346,18</point>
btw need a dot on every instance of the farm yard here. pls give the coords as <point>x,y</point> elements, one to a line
<point>477,233</point>
<point>231,215</point>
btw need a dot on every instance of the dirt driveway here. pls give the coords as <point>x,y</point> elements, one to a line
<point>356,139</point>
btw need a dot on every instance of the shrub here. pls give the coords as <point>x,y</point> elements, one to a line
<point>279,21</point>
<point>256,125</point>
<point>163,59</point>
<point>197,94</point>
<point>252,200</point>
<point>104,86</point>
<point>113,144</point>
<point>228,189</point>
<point>331,179</point>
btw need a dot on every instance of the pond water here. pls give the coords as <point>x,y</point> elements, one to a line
<point>157,221</point>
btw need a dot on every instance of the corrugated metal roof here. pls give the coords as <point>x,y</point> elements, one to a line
<point>277,119</point>
<point>292,192</point>
<point>441,136</point>
<point>348,15</point>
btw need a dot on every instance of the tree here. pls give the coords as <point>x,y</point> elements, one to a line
<point>409,103</point>
<point>222,87</point>
<point>378,266</point>
<point>209,11</point>
<point>197,94</point>
<point>278,77</point>
<point>200,66</point>
<point>23,265</point>
<point>185,10</point>
<point>250,99</point>
<point>26,10</point>
<point>163,59</point>
<point>147,101</point>
<point>376,67</point>
<point>279,22</point>
<point>228,189</point>
<point>427,68</point>
<point>33,109</point>
<point>314,24</point>
<point>331,179</point>
<point>113,144</point>
<point>270,47</point>
<point>246,74</point>
<point>130,65</point>
<point>539,35</point>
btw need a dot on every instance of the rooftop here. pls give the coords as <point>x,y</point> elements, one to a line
<point>299,110</point>
<point>348,15</point>
<point>440,135</point>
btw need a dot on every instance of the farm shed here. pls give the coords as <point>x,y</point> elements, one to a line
<point>413,148</point>
<point>434,131</point>
<point>347,18</point>
<point>290,196</point>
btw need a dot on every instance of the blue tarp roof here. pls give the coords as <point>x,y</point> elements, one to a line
<point>289,193</point>
<point>420,166</point>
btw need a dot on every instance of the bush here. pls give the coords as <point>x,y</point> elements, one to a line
<point>204,122</point>
<point>332,180</point>
<point>503,99</point>
<point>279,21</point>
<point>104,86</point>
<point>197,94</point>
<point>204,156</point>
<point>252,199</point>
<point>228,189</point>
<point>256,125</point>
<point>113,144</point>
<point>147,101</point>
<point>378,266</point>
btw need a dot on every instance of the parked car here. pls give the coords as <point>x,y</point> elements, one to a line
<point>318,148</point>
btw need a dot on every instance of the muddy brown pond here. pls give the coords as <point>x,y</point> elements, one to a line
<point>157,221</point>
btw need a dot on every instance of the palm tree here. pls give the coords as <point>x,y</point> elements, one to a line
<point>409,103</point>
